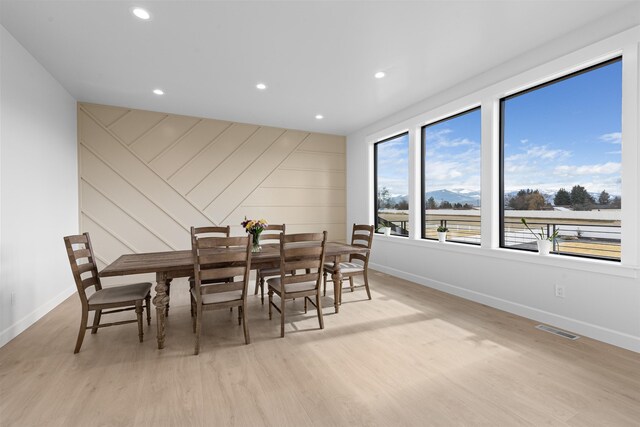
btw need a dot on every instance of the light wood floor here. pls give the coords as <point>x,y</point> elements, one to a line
<point>411,356</point>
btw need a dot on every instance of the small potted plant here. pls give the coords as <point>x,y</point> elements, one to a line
<point>442,233</point>
<point>544,242</point>
<point>384,229</point>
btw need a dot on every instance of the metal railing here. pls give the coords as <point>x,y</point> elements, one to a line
<point>462,230</point>
<point>579,239</point>
<point>398,228</point>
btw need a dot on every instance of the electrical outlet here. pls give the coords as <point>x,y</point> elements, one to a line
<point>559,291</point>
<point>13,298</point>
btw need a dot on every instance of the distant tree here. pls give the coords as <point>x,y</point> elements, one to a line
<point>527,200</point>
<point>467,206</point>
<point>457,205</point>
<point>383,198</point>
<point>445,205</point>
<point>402,205</point>
<point>604,198</point>
<point>431,203</point>
<point>562,198</point>
<point>616,202</point>
<point>581,200</point>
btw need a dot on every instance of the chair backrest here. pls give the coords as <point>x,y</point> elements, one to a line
<point>83,264</point>
<point>272,232</point>
<point>302,251</point>
<point>210,231</point>
<point>362,236</point>
<point>219,258</point>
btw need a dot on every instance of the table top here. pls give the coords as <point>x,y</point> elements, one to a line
<point>153,262</point>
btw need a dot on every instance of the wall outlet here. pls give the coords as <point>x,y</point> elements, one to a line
<point>13,298</point>
<point>559,291</point>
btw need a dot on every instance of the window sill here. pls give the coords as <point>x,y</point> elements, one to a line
<point>560,261</point>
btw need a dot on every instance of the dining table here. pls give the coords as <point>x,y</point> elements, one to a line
<point>174,264</point>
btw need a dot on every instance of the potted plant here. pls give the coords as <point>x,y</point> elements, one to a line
<point>442,233</point>
<point>544,242</point>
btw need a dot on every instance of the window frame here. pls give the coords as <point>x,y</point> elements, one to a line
<point>375,181</point>
<point>423,142</point>
<point>501,125</point>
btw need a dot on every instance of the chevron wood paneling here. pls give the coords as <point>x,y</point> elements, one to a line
<point>147,177</point>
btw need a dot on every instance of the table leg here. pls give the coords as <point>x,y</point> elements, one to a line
<point>161,301</point>
<point>336,276</point>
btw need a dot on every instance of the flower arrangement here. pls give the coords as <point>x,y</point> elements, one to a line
<point>254,227</point>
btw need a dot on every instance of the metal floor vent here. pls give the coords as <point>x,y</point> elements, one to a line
<point>559,332</point>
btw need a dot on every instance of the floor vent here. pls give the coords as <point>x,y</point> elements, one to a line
<point>559,332</point>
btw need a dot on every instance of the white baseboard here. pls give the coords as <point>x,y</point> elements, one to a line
<point>21,325</point>
<point>579,327</point>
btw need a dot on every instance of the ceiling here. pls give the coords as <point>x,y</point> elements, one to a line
<point>317,57</point>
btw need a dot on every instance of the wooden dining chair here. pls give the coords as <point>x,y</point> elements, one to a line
<point>216,259</point>
<point>303,251</point>
<point>207,232</point>
<point>120,298</point>
<point>271,234</point>
<point>358,264</point>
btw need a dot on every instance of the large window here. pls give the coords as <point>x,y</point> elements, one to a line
<point>561,163</point>
<point>391,165</point>
<point>451,177</point>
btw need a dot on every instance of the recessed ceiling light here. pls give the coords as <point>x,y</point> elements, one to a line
<point>158,91</point>
<point>319,116</point>
<point>141,13</point>
<point>261,86</point>
<point>379,75</point>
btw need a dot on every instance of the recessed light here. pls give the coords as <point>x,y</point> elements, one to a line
<point>319,116</point>
<point>141,13</point>
<point>379,75</point>
<point>261,86</point>
<point>158,91</point>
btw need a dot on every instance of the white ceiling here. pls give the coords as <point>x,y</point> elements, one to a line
<point>317,57</point>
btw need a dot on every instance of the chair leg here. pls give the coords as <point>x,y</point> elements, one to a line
<point>305,305</point>
<point>240,314</point>
<point>319,307</point>
<point>270,303</point>
<point>324,291</point>
<point>247,339</point>
<point>198,322</point>
<point>139,316</point>
<point>282,316</point>
<point>148,302</point>
<point>351,283</point>
<point>262,290</point>
<point>255,291</point>
<point>96,320</point>
<point>83,329</point>
<point>366,283</point>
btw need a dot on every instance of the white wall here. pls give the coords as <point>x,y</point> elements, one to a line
<point>602,299</point>
<point>38,189</point>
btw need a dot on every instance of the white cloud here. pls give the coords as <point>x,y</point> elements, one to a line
<point>539,152</point>
<point>601,169</point>
<point>612,138</point>
<point>524,141</point>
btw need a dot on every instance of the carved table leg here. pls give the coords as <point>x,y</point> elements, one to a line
<point>161,301</point>
<point>336,276</point>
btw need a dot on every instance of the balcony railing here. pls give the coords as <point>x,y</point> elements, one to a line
<point>461,230</point>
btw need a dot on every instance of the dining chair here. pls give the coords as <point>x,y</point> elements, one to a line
<point>213,231</point>
<point>215,259</point>
<point>119,298</point>
<point>358,264</point>
<point>303,251</point>
<point>270,234</point>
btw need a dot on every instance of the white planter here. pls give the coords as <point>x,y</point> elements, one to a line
<point>544,246</point>
<point>387,231</point>
<point>442,236</point>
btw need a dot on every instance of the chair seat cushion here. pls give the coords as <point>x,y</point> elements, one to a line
<point>275,283</point>
<point>345,267</point>
<point>124,293</point>
<point>220,297</point>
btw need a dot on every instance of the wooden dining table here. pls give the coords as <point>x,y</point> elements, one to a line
<point>170,265</point>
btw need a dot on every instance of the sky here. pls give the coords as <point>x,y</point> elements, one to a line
<point>563,134</point>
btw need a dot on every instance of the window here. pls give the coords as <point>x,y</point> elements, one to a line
<point>391,185</point>
<point>561,163</point>
<point>451,177</point>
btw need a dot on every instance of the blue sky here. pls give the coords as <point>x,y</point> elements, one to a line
<point>558,136</point>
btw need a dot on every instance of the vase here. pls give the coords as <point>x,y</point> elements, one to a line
<point>256,243</point>
<point>544,246</point>
<point>442,236</point>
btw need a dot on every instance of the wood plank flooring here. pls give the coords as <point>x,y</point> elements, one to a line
<point>412,356</point>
